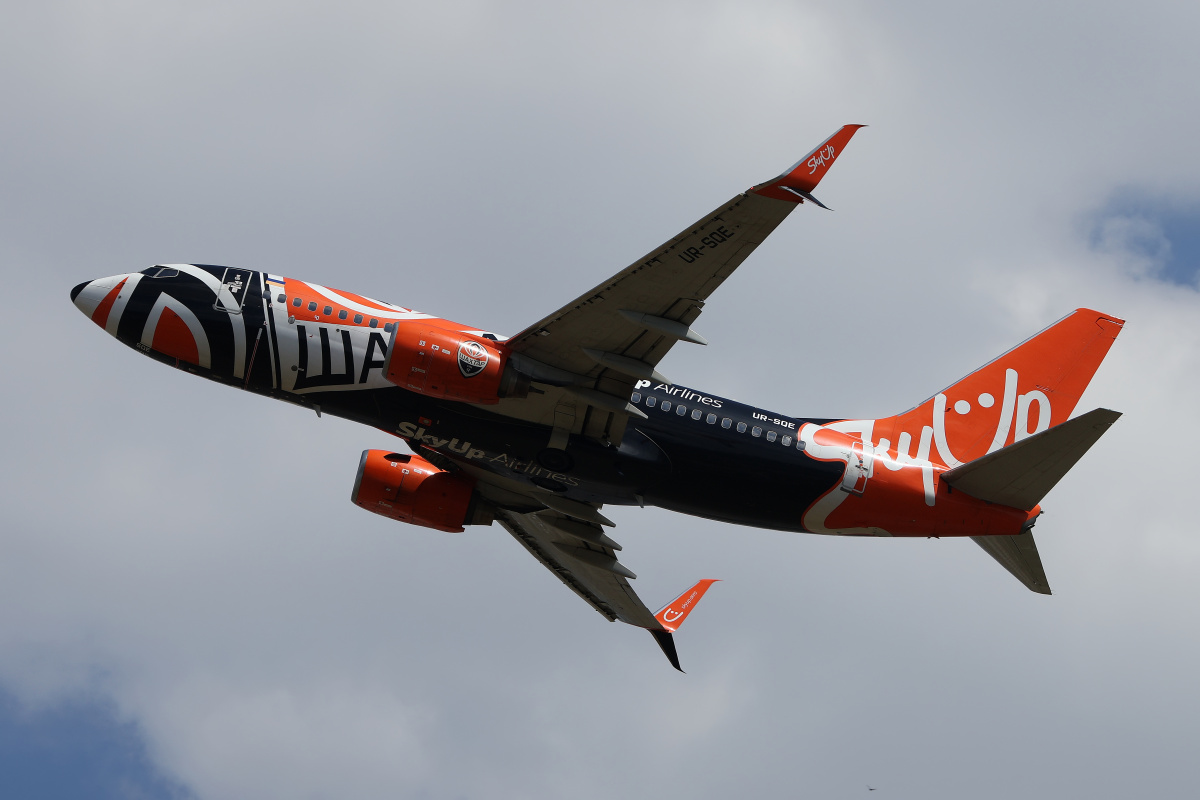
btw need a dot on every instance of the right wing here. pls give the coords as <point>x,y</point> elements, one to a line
<point>583,558</point>
<point>568,538</point>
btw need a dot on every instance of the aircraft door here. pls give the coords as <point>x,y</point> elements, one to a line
<point>858,469</point>
<point>234,285</point>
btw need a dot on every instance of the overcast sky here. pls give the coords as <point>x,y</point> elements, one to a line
<point>191,606</point>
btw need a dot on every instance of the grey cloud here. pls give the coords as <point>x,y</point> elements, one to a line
<point>190,552</point>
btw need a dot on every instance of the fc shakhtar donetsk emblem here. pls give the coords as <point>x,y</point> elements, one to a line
<point>472,358</point>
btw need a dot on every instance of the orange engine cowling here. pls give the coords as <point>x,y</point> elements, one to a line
<point>444,363</point>
<point>410,489</point>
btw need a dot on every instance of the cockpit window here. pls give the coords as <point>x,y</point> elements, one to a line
<point>160,272</point>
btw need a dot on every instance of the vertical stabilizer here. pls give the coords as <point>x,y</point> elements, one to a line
<point>1029,389</point>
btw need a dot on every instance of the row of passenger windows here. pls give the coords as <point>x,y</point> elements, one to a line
<point>711,419</point>
<point>328,311</point>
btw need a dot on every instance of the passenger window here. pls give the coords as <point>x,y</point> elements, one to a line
<point>799,444</point>
<point>636,398</point>
<point>358,319</point>
<point>327,310</point>
<point>756,431</point>
<point>710,419</point>
<point>726,422</point>
<point>281,299</point>
<point>651,401</point>
<point>312,306</point>
<point>741,428</point>
<point>681,410</point>
<point>296,302</point>
<point>666,406</point>
<point>786,441</point>
<point>389,327</point>
<point>374,323</point>
<point>771,436</point>
<point>342,314</point>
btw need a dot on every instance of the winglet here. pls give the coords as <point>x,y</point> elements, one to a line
<point>797,183</point>
<point>667,643</point>
<point>672,615</point>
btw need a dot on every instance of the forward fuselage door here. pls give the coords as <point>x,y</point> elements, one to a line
<point>235,283</point>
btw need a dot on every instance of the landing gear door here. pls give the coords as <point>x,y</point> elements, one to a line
<point>234,285</point>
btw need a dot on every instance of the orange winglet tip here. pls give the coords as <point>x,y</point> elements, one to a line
<point>672,615</point>
<point>801,178</point>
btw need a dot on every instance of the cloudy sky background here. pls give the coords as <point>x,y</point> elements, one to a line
<point>191,607</point>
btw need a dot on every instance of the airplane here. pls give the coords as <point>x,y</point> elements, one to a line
<point>538,431</point>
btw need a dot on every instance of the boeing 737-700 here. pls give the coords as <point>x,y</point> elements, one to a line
<point>539,430</point>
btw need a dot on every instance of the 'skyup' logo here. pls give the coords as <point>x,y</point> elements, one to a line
<point>472,358</point>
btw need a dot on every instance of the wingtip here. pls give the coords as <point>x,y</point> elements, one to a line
<point>667,642</point>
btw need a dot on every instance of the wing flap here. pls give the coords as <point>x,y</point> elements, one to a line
<point>587,567</point>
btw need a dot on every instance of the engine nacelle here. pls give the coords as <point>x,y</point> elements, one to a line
<point>410,489</point>
<point>450,364</point>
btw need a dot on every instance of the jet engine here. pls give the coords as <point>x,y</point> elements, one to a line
<point>409,489</point>
<point>451,364</point>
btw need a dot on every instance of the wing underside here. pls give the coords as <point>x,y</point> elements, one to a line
<point>589,354</point>
<point>583,558</point>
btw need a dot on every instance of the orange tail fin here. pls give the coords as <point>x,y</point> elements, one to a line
<point>1030,388</point>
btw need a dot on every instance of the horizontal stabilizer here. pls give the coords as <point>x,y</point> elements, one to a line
<point>1021,474</point>
<point>1019,555</point>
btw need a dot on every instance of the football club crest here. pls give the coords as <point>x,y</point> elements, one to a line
<point>472,358</point>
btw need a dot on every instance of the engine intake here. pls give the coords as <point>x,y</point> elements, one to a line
<point>409,489</point>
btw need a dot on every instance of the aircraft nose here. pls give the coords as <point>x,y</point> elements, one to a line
<point>96,298</point>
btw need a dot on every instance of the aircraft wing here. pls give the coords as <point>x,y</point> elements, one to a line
<point>597,346</point>
<point>584,558</point>
<point>568,538</point>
